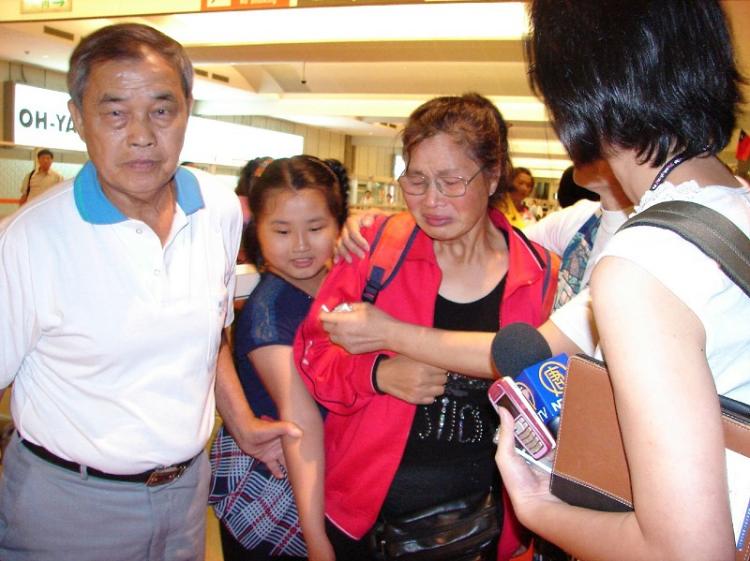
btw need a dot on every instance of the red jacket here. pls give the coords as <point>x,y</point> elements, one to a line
<point>365,432</point>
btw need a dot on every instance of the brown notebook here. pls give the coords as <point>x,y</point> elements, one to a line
<point>590,468</point>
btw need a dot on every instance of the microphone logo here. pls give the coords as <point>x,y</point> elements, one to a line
<point>552,377</point>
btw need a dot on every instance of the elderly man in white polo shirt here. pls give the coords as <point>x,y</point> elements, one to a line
<point>114,294</point>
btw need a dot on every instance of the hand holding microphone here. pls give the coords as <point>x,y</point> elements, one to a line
<point>532,394</point>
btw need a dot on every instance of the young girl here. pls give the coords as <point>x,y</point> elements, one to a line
<point>298,206</point>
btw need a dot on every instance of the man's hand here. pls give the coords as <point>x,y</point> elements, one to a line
<point>362,330</point>
<point>411,381</point>
<point>262,440</point>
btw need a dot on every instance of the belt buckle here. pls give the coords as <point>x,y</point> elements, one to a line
<point>165,475</point>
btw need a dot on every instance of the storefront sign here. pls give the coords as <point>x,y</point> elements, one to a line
<point>40,118</point>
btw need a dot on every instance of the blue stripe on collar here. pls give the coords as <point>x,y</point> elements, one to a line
<point>188,192</point>
<point>95,208</point>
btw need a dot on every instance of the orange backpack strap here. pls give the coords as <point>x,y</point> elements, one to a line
<point>388,250</point>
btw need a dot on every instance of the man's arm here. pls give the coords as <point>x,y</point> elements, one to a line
<point>257,437</point>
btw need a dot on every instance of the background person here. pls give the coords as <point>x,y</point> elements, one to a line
<point>569,192</point>
<point>115,293</point>
<point>41,178</point>
<point>394,443</point>
<point>513,202</point>
<point>663,309</point>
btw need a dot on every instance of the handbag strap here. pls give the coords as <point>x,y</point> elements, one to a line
<point>710,231</point>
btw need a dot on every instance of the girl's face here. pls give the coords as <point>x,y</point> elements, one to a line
<point>448,218</point>
<point>296,232</point>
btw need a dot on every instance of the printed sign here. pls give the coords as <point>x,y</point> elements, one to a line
<point>41,118</point>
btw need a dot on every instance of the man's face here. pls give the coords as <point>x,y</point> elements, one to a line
<point>133,120</point>
<point>45,162</point>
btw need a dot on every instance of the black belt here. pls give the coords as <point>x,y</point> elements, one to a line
<point>152,477</point>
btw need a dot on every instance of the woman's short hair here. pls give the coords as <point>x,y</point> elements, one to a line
<point>656,76</point>
<point>295,173</point>
<point>125,41</point>
<point>472,121</point>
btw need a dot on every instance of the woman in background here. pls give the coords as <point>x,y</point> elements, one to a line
<point>651,86</point>
<point>513,202</point>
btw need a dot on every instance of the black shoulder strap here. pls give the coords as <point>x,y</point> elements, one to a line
<point>713,233</point>
<point>28,183</point>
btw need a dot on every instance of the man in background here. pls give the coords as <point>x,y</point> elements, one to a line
<point>41,178</point>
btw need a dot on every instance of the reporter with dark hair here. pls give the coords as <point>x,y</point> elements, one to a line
<point>648,105</point>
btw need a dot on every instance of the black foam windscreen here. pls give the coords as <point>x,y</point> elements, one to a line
<point>517,346</point>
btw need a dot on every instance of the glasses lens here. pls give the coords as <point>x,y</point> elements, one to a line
<point>451,186</point>
<point>413,184</point>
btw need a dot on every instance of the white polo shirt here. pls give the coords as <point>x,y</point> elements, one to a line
<point>110,339</point>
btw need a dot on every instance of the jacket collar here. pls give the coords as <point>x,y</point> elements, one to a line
<point>525,264</point>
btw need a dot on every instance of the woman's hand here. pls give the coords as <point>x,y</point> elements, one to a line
<point>528,486</point>
<point>351,242</point>
<point>362,330</point>
<point>411,381</point>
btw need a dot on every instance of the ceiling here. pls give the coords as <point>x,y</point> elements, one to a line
<point>358,70</point>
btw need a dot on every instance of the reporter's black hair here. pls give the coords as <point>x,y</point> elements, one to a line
<point>657,76</point>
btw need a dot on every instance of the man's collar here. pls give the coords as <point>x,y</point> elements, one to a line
<point>95,208</point>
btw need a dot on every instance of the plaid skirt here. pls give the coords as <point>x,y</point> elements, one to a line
<point>254,506</point>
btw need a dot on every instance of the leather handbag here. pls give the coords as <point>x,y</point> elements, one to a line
<point>590,468</point>
<point>462,530</point>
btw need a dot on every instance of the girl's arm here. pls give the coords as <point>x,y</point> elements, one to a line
<point>304,456</point>
<point>670,420</point>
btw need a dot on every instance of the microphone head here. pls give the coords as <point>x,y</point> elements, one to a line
<point>517,346</point>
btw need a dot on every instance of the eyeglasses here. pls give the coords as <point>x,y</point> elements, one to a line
<point>448,185</point>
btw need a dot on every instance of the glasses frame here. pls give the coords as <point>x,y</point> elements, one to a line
<point>436,180</point>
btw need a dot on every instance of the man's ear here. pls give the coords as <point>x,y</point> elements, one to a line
<point>190,102</point>
<point>77,118</point>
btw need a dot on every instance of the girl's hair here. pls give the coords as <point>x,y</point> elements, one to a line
<point>472,121</point>
<point>295,174</point>
<point>656,76</point>
<point>252,170</point>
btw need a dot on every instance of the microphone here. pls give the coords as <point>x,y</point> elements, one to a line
<point>514,348</point>
<point>542,384</point>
